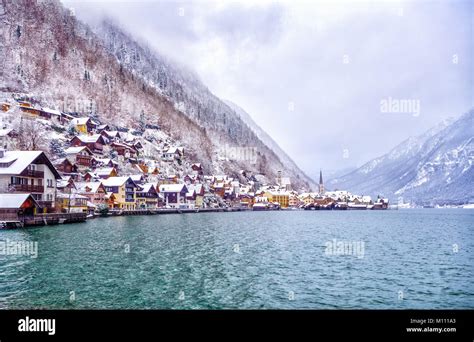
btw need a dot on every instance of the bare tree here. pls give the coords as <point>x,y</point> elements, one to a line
<point>31,135</point>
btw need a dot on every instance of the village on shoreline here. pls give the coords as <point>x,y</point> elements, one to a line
<point>86,169</point>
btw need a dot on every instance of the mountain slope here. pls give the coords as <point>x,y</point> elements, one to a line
<point>50,56</point>
<point>434,168</point>
<point>265,138</point>
<point>194,99</point>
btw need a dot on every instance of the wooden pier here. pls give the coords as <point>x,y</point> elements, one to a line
<point>54,218</point>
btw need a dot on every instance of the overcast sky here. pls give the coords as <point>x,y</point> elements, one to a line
<point>314,74</point>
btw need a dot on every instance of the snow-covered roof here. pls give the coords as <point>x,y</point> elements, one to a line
<point>136,178</point>
<point>13,201</point>
<point>94,186</point>
<point>75,150</point>
<point>106,161</point>
<point>89,138</point>
<point>115,181</point>
<point>123,145</point>
<point>19,161</point>
<point>104,171</point>
<point>80,121</point>
<point>173,150</point>
<point>62,183</point>
<point>172,187</point>
<point>52,111</point>
<point>147,187</point>
<point>112,134</point>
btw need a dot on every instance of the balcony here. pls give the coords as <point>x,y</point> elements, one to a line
<point>32,173</point>
<point>45,204</point>
<point>27,187</point>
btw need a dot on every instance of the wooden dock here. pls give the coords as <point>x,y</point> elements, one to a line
<point>53,218</point>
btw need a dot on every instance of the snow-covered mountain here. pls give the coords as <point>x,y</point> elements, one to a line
<point>49,55</point>
<point>266,139</point>
<point>434,168</point>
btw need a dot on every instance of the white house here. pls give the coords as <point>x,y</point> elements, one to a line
<point>29,172</point>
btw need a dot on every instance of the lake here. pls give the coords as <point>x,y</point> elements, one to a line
<point>393,259</point>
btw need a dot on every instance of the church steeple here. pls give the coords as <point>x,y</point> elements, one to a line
<point>321,184</point>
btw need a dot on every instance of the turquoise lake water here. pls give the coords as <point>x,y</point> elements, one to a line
<point>399,259</point>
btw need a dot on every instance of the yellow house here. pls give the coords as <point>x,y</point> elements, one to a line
<point>282,197</point>
<point>124,190</point>
<point>72,203</point>
<point>307,198</point>
<point>81,125</point>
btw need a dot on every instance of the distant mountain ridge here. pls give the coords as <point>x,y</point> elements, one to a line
<point>433,168</point>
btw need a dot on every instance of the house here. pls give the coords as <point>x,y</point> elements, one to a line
<point>29,172</point>
<point>293,200</point>
<point>65,166</point>
<point>174,194</point>
<point>173,153</point>
<point>81,156</point>
<point>29,110</point>
<point>124,190</point>
<point>307,198</point>
<point>101,128</point>
<point>188,179</point>
<point>138,178</point>
<point>280,197</point>
<point>196,195</point>
<point>7,137</point>
<point>66,118</point>
<point>197,168</point>
<point>83,125</point>
<point>219,189</point>
<point>191,196</point>
<point>172,179</point>
<point>72,203</point>
<point>66,185</point>
<point>94,191</point>
<point>147,196</point>
<point>137,145</point>
<point>124,150</point>
<point>246,200</point>
<point>107,162</point>
<point>50,114</point>
<point>14,207</point>
<point>111,135</point>
<point>95,142</point>
<point>142,168</point>
<point>105,172</point>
